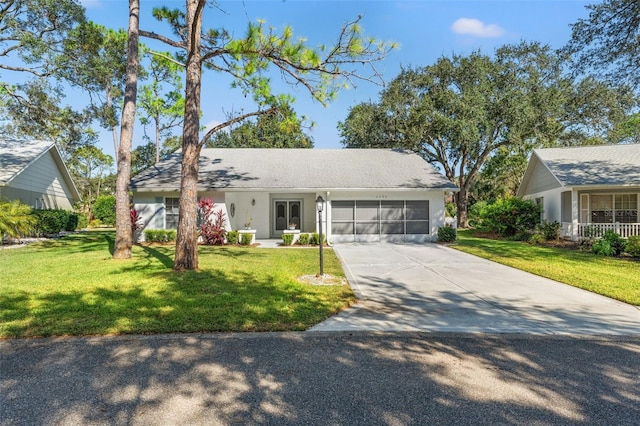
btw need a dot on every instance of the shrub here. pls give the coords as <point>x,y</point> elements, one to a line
<point>602,248</point>
<point>72,222</point>
<point>303,239</point>
<point>611,244</point>
<point>159,235</point>
<point>537,238</point>
<point>83,221</point>
<point>509,217</point>
<point>633,246</point>
<point>287,239</point>
<point>616,242</point>
<point>212,228</point>
<point>95,223</point>
<point>104,209</point>
<point>550,231</point>
<point>314,239</point>
<point>16,219</point>
<point>50,221</point>
<point>450,209</point>
<point>246,239</point>
<point>232,237</point>
<point>447,234</point>
<point>476,212</point>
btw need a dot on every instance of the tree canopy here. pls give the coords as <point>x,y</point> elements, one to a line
<point>607,42</point>
<point>275,130</point>
<point>461,111</point>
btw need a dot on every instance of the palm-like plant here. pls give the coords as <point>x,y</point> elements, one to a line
<point>15,219</point>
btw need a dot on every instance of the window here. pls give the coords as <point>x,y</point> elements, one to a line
<point>540,203</point>
<point>612,208</point>
<point>626,208</point>
<point>171,212</point>
<point>565,206</point>
<point>602,208</point>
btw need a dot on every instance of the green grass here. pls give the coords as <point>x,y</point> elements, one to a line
<point>615,278</point>
<point>72,286</point>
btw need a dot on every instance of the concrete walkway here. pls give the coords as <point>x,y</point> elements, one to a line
<point>406,287</point>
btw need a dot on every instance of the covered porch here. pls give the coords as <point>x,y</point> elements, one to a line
<point>593,213</point>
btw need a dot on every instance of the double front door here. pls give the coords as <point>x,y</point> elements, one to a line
<point>287,215</point>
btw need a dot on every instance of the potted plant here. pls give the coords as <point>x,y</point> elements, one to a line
<point>292,226</point>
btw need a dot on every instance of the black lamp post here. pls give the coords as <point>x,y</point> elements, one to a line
<point>319,207</point>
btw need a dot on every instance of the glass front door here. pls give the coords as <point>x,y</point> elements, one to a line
<point>287,215</point>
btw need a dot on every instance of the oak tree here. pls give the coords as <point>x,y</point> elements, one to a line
<point>464,110</point>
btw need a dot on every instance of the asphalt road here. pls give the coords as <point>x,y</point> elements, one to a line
<point>338,378</point>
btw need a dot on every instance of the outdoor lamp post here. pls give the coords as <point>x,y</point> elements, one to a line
<point>319,207</point>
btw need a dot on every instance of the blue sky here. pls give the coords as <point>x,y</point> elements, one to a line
<point>424,30</point>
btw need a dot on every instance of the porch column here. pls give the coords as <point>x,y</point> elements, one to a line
<point>575,214</point>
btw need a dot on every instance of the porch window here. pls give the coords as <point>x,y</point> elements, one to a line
<point>626,208</point>
<point>171,212</point>
<point>612,208</point>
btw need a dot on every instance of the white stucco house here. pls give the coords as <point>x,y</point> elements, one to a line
<point>588,189</point>
<point>370,194</point>
<point>34,173</point>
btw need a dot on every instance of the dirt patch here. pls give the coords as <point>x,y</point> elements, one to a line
<point>325,279</point>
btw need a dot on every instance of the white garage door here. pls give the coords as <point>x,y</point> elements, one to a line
<point>380,220</point>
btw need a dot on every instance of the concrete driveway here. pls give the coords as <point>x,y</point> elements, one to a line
<point>411,287</point>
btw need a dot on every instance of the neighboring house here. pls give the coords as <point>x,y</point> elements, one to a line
<point>371,194</point>
<point>34,173</point>
<point>588,190</point>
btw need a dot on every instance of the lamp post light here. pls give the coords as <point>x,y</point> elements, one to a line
<point>319,207</point>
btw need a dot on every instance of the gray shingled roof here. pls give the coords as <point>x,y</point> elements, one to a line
<point>594,165</point>
<point>15,155</point>
<point>326,169</point>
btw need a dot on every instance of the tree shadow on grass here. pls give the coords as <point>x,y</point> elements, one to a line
<point>169,301</point>
<point>154,253</point>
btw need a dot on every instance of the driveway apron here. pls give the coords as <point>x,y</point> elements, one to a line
<point>430,287</point>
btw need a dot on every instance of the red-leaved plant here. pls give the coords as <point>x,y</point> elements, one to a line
<point>135,222</point>
<point>212,228</point>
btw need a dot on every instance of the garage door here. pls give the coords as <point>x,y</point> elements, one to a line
<point>380,220</point>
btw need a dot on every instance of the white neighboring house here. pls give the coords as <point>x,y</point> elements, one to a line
<point>370,194</point>
<point>588,189</point>
<point>34,173</point>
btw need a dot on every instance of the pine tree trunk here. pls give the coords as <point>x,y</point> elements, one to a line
<point>124,239</point>
<point>186,257</point>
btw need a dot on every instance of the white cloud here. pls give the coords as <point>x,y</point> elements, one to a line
<point>475,27</point>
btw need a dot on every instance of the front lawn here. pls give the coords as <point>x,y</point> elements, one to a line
<point>72,286</point>
<point>615,278</point>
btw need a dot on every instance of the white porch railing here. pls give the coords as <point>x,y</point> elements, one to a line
<point>597,230</point>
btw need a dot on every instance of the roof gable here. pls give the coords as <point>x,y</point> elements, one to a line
<point>17,155</point>
<point>610,165</point>
<point>537,177</point>
<point>271,168</point>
